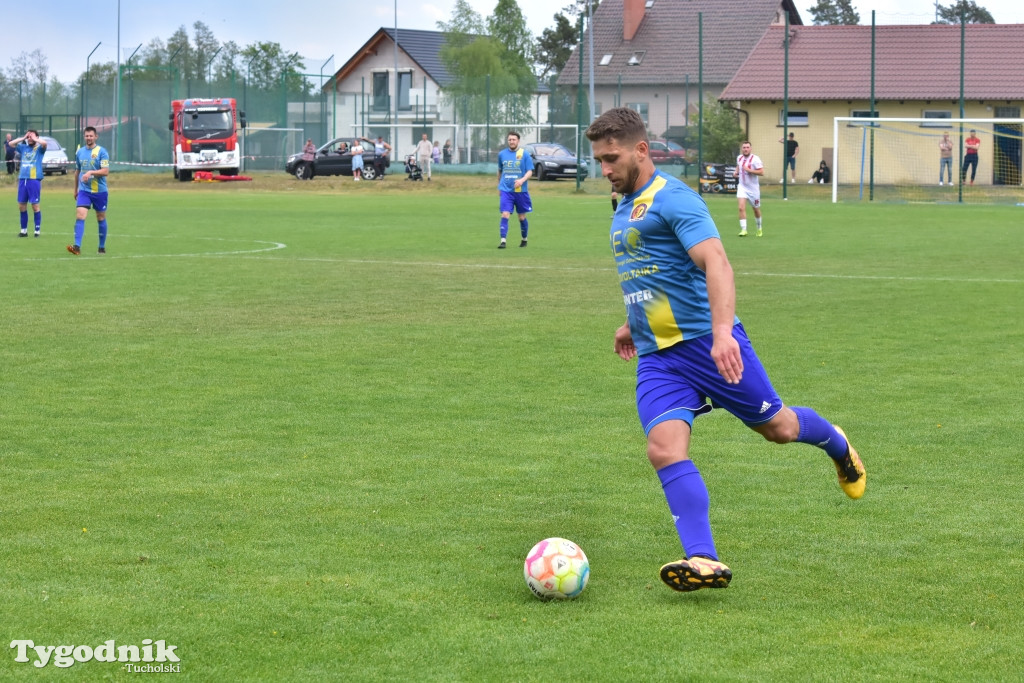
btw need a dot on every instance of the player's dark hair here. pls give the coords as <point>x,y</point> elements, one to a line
<point>621,123</point>
<point>745,142</point>
<point>36,132</point>
<point>512,132</point>
<point>88,128</point>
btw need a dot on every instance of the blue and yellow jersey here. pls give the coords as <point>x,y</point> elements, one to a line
<point>666,294</point>
<point>92,160</point>
<point>513,166</point>
<point>31,161</point>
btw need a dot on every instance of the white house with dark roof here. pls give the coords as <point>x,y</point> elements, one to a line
<point>366,85</point>
<point>646,52</point>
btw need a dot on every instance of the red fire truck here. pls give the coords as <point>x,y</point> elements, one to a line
<point>206,136</point>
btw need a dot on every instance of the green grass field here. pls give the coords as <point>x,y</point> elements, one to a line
<point>308,431</point>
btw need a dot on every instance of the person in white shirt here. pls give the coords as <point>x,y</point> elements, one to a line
<point>356,150</point>
<point>749,169</point>
<point>424,151</point>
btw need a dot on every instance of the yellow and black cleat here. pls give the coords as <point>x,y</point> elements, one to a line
<point>696,573</point>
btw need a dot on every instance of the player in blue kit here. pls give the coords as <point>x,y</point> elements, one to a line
<point>31,148</point>
<point>515,167</point>
<point>694,354</point>
<point>92,165</point>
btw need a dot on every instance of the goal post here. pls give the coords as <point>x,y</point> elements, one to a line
<point>899,159</point>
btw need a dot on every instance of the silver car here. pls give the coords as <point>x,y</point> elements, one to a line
<point>55,159</point>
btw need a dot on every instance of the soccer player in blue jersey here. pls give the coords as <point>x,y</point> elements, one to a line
<point>92,165</point>
<point>693,352</point>
<point>515,167</point>
<point>31,148</point>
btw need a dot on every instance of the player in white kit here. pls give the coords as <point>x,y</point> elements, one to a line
<point>748,189</point>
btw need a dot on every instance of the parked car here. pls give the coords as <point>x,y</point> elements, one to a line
<point>331,159</point>
<point>55,158</point>
<point>667,152</point>
<point>551,160</point>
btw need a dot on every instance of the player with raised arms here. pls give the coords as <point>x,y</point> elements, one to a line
<point>694,354</point>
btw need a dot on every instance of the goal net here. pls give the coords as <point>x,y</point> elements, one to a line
<point>899,159</point>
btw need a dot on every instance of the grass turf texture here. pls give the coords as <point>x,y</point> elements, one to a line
<point>329,460</point>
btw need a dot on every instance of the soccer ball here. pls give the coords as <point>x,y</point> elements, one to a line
<point>556,569</point>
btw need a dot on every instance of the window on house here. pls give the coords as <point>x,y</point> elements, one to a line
<point>605,61</point>
<point>404,86</point>
<point>636,58</point>
<point>938,115</point>
<point>381,98</point>
<point>862,114</point>
<point>639,108</point>
<point>796,118</point>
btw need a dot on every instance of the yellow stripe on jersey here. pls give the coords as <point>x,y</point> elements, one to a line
<point>660,317</point>
<point>519,158</point>
<point>94,183</point>
<point>662,322</point>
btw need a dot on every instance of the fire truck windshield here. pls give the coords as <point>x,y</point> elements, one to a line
<point>200,125</point>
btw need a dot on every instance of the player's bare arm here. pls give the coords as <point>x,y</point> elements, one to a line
<point>624,346</point>
<point>710,257</point>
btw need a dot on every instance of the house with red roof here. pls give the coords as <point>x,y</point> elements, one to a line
<point>646,53</point>
<point>917,75</point>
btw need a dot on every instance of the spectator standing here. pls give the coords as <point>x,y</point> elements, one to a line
<point>381,151</point>
<point>9,154</point>
<point>308,154</point>
<point>946,158</point>
<point>424,153</point>
<point>357,159</point>
<point>446,152</point>
<point>435,154</point>
<point>973,143</point>
<point>792,149</point>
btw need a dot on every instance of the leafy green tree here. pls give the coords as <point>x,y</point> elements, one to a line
<point>972,13</point>
<point>489,70</point>
<point>29,67</point>
<point>206,46</point>
<point>555,45</point>
<point>835,13</point>
<point>723,134</point>
<point>269,63</point>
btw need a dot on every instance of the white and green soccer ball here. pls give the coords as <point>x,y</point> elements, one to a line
<point>556,569</point>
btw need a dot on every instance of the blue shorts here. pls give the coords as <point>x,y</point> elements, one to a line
<point>791,162</point>
<point>29,190</point>
<point>519,201</point>
<point>94,200</point>
<point>357,162</point>
<point>676,384</point>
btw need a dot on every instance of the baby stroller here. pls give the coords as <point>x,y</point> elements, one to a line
<point>412,168</point>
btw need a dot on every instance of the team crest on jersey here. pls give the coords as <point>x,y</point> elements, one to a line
<point>633,243</point>
<point>639,211</point>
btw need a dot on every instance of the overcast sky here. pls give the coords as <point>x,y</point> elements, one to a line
<point>316,29</point>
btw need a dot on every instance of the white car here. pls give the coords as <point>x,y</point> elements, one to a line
<point>55,159</point>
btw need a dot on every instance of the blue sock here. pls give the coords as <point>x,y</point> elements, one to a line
<point>79,232</point>
<point>504,228</point>
<point>817,431</point>
<point>38,220</point>
<point>524,227</point>
<point>24,221</point>
<point>103,232</point>
<point>688,501</point>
